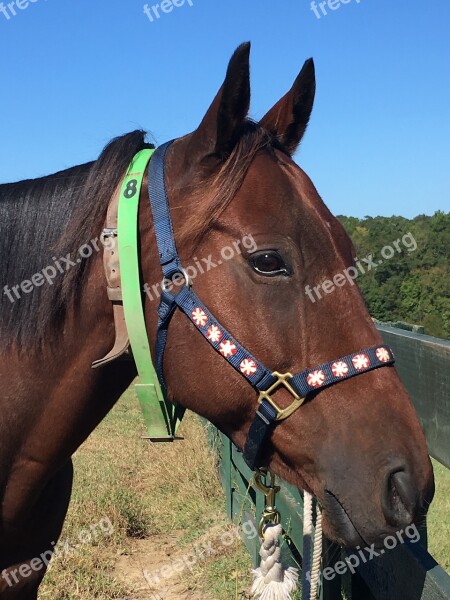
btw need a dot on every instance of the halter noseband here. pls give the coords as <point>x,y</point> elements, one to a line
<point>262,379</point>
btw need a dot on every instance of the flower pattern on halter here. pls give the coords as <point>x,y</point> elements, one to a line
<point>257,374</point>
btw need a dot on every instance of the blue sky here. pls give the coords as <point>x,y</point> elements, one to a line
<point>76,73</point>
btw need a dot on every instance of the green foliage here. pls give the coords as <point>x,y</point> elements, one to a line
<point>413,285</point>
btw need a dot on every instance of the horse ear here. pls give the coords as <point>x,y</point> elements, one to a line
<point>288,119</point>
<point>220,128</point>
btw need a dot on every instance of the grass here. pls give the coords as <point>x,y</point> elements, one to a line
<point>144,490</point>
<point>150,492</point>
<point>438,520</point>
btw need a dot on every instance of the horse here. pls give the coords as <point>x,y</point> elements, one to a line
<point>357,446</point>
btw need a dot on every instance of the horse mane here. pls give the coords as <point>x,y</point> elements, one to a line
<point>42,220</point>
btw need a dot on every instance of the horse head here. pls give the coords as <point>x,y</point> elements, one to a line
<point>250,224</point>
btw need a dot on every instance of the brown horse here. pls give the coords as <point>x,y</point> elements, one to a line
<point>358,446</point>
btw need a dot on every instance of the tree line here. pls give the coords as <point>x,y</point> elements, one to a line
<point>414,284</point>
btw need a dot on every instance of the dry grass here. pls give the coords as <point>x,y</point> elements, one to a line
<point>145,490</point>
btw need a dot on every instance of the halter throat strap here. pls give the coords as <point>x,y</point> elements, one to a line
<point>263,380</point>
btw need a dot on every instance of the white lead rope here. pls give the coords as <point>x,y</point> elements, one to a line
<point>312,549</point>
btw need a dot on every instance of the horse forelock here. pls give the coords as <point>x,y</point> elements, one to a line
<point>212,192</point>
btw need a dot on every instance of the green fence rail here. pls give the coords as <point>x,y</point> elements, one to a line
<point>423,363</point>
<point>407,572</point>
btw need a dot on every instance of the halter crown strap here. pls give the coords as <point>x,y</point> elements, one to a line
<point>162,222</point>
<point>259,376</point>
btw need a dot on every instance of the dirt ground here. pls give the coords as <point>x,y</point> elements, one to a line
<point>157,569</point>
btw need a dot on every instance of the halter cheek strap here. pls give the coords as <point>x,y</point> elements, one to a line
<point>262,379</point>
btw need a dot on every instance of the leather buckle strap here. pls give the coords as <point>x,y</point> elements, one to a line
<point>111,265</point>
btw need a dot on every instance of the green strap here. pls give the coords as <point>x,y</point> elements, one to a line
<point>162,418</point>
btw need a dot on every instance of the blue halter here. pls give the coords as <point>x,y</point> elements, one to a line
<point>262,379</point>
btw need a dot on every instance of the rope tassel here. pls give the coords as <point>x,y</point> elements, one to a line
<point>273,581</point>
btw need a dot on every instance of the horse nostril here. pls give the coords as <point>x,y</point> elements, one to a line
<point>400,499</point>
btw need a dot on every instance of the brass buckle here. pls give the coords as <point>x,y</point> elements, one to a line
<point>282,380</point>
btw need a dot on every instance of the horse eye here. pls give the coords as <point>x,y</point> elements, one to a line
<point>269,263</point>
